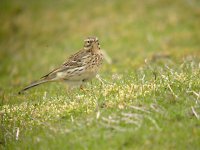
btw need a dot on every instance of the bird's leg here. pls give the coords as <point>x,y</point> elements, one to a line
<point>81,87</point>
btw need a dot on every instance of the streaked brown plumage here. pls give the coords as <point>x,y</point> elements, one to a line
<point>79,68</point>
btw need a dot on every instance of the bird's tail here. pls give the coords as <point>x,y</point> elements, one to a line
<point>36,83</point>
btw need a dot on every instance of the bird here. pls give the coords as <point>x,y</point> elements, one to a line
<point>77,69</point>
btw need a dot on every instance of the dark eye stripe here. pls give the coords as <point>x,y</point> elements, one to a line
<point>87,40</point>
<point>90,40</point>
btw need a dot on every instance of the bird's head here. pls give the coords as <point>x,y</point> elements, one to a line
<point>91,43</point>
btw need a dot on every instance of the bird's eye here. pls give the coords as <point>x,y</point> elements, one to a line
<point>88,42</point>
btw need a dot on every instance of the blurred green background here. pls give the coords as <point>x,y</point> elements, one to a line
<point>36,36</point>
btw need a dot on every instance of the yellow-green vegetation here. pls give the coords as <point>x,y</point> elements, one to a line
<point>150,98</point>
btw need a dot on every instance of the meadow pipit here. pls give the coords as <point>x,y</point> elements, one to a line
<point>79,68</point>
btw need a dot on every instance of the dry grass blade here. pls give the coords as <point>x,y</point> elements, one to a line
<point>172,91</point>
<point>17,134</point>
<point>195,113</point>
<point>132,115</point>
<point>140,109</point>
<point>129,121</point>
<point>154,122</point>
<point>107,57</point>
<point>110,120</point>
<point>157,108</point>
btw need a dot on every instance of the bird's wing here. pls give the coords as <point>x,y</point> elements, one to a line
<point>78,60</point>
<point>77,56</point>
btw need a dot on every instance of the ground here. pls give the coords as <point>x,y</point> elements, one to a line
<point>150,98</point>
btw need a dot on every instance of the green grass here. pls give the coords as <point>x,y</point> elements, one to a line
<point>151,97</point>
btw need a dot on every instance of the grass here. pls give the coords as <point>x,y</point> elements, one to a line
<point>151,99</point>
